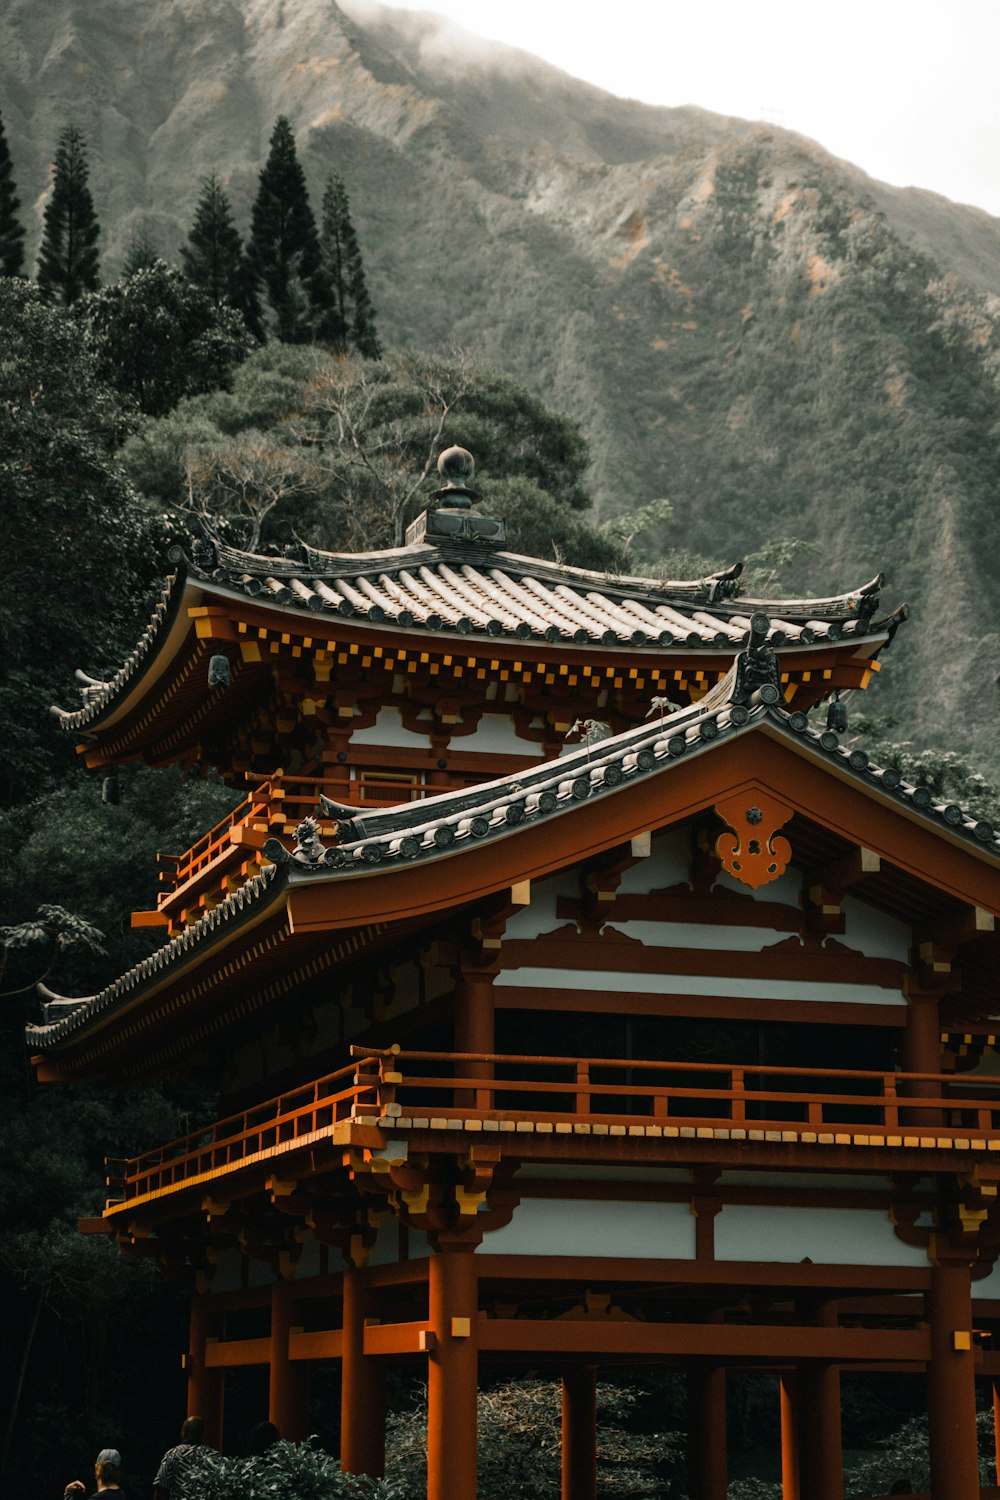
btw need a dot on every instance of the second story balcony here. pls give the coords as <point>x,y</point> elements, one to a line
<point>647,1112</point>
<point>223,859</point>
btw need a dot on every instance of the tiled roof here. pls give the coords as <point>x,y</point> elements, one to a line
<point>472,590</point>
<point>458,820</point>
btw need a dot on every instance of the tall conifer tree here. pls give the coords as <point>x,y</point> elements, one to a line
<point>349,319</point>
<point>68,259</point>
<point>11,228</point>
<point>214,259</point>
<point>284,246</point>
<point>140,254</point>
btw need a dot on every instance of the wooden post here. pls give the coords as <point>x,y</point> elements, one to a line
<point>922,1052</point>
<point>709,1469</point>
<point>995,1384</point>
<point>474,1032</point>
<point>951,1384</point>
<point>789,1395</point>
<point>362,1389</point>
<point>579,1432</point>
<point>206,1388</point>
<point>452,1374</point>
<point>822,1462</point>
<point>288,1396</point>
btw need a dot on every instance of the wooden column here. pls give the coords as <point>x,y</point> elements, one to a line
<point>474,1031</point>
<point>951,1387</point>
<point>206,1388</point>
<point>709,1471</point>
<point>789,1396</point>
<point>922,1050</point>
<point>822,1461</point>
<point>362,1388</point>
<point>452,1375</point>
<point>995,1384</point>
<point>579,1432</point>
<point>288,1395</point>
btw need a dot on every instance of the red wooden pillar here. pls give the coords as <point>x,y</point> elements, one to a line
<point>579,1432</point>
<point>362,1389</point>
<point>996,1428</point>
<point>789,1396</point>
<point>822,1459</point>
<point>452,1375</point>
<point>922,1051</point>
<point>206,1387</point>
<point>951,1386</point>
<point>709,1470</point>
<point>474,1032</point>
<point>288,1396</point>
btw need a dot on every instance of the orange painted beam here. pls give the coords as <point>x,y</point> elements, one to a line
<point>229,1354</point>
<point>327,1344</point>
<point>721,1341</point>
<point>395,1338</point>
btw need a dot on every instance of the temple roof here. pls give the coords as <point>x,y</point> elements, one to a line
<point>458,587</point>
<point>373,844</point>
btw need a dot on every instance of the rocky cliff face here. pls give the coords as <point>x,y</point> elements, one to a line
<point>741,322</point>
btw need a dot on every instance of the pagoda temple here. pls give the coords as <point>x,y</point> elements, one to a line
<point>577,1003</point>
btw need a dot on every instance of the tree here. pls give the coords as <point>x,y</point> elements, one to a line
<point>68,258</point>
<point>349,321</point>
<point>214,259</point>
<point>140,254</point>
<point>156,337</point>
<point>11,228</point>
<point>284,247</point>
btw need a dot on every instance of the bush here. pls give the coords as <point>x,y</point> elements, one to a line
<point>300,1470</point>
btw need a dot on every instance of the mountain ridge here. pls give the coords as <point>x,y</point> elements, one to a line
<point>741,322</point>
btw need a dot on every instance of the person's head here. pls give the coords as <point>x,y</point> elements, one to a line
<point>108,1468</point>
<point>192,1430</point>
<point>263,1436</point>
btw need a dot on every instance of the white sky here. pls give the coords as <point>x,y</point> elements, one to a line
<point>905,89</point>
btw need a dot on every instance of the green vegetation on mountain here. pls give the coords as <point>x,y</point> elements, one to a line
<point>349,321</point>
<point>284,246</point>
<point>213,257</point>
<point>68,259</point>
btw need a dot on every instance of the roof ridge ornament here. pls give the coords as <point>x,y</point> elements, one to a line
<point>456,521</point>
<point>757,669</point>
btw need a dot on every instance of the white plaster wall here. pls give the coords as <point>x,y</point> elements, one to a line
<point>495,734</point>
<point>582,1227</point>
<point>388,729</point>
<point>668,864</point>
<point>874,933</point>
<point>787,888</point>
<point>989,1286</point>
<point>699,935</point>
<point>531,921</point>
<point>698,984</point>
<point>827,1236</point>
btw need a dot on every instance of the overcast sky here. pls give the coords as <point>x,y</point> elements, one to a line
<point>905,89</point>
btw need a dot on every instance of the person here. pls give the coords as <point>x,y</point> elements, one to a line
<point>107,1472</point>
<point>176,1462</point>
<point>263,1436</point>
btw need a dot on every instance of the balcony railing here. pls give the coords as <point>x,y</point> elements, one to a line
<point>444,1090</point>
<point>223,859</point>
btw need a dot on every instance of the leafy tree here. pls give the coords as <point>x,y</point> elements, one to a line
<point>354,444</point>
<point>156,337</point>
<point>349,321</point>
<point>11,228</point>
<point>300,1469</point>
<point>214,259</point>
<point>284,247</point>
<point>84,548</point>
<point>68,259</point>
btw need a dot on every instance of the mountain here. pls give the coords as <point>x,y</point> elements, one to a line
<point>741,322</point>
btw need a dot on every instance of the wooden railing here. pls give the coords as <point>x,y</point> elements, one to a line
<point>908,1109</point>
<point>224,858</point>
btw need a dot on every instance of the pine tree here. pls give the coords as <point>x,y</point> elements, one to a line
<point>284,247</point>
<point>140,254</point>
<point>68,259</point>
<point>11,228</point>
<point>349,319</point>
<point>214,260</point>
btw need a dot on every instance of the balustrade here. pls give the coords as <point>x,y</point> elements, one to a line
<point>762,1102</point>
